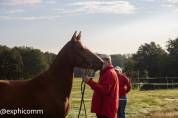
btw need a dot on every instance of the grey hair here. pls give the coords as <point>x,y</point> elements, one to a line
<point>105,57</point>
<point>119,69</point>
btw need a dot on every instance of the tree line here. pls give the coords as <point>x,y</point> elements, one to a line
<point>150,60</point>
<point>23,62</point>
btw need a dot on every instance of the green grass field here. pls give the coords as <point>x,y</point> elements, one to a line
<point>141,104</point>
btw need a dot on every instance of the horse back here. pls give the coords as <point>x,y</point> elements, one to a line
<point>4,84</point>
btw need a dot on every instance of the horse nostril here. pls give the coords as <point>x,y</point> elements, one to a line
<point>88,63</point>
<point>102,62</point>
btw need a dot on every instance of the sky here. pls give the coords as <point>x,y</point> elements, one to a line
<point>108,26</point>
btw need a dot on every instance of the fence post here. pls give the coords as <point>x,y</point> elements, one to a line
<point>167,82</point>
<point>138,80</point>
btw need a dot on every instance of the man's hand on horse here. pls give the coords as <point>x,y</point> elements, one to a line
<point>85,78</point>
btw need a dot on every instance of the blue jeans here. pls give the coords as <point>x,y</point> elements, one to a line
<point>122,106</point>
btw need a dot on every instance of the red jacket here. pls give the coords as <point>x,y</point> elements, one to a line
<point>124,85</point>
<point>106,93</point>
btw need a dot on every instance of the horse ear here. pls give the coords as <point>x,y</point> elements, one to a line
<point>74,36</point>
<point>79,36</point>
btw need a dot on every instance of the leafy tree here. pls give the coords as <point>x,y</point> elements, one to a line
<point>3,64</point>
<point>129,67</point>
<point>149,58</point>
<point>11,64</point>
<point>118,60</point>
<point>172,48</point>
<point>34,62</point>
<point>17,64</point>
<point>50,57</point>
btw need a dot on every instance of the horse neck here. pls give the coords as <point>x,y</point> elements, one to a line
<point>61,74</point>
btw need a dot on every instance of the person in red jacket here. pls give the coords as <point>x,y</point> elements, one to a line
<point>106,91</point>
<point>124,88</point>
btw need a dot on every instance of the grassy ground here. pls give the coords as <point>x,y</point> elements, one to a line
<point>141,104</point>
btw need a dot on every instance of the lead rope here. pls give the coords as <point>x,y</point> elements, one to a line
<point>83,84</point>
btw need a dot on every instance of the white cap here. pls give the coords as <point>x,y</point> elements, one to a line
<point>104,56</point>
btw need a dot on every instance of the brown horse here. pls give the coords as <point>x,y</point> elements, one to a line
<point>50,91</point>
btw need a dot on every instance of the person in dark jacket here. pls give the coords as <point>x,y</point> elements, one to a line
<point>106,91</point>
<point>124,88</point>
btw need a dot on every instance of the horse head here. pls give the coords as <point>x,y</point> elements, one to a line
<point>81,56</point>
